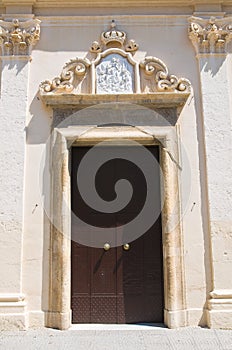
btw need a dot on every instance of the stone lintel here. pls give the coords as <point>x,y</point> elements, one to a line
<point>159,99</point>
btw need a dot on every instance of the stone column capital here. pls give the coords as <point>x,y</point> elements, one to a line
<point>18,37</point>
<point>210,36</point>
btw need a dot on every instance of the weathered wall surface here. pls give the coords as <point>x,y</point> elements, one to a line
<point>204,129</point>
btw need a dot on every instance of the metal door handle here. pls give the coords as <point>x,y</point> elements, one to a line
<point>126,246</point>
<point>106,246</point>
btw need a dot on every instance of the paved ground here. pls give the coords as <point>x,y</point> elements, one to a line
<point>142,338</point>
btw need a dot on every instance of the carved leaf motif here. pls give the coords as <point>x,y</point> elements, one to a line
<point>74,68</point>
<point>17,38</point>
<point>95,47</point>
<point>131,46</point>
<point>211,35</point>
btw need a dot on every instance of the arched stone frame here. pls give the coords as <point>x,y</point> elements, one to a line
<point>58,314</point>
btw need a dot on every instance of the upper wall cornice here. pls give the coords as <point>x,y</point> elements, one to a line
<point>110,3</point>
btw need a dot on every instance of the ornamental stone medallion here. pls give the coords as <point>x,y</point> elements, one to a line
<point>114,75</point>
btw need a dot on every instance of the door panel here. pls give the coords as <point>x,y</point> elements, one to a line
<point>116,286</point>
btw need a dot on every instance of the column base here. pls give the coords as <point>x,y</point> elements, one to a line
<point>13,314</point>
<point>175,319</point>
<point>36,319</point>
<point>58,320</point>
<point>219,312</point>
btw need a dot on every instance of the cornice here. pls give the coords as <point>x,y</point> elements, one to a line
<point>108,3</point>
<point>123,20</point>
<point>17,3</point>
<point>126,3</point>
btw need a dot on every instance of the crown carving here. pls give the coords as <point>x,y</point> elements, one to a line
<point>210,35</point>
<point>114,38</point>
<point>18,38</point>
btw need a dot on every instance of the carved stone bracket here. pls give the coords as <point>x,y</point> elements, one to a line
<point>18,38</point>
<point>163,81</point>
<point>210,35</point>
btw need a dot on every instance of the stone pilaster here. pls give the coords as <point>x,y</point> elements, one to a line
<point>210,38</point>
<point>16,41</point>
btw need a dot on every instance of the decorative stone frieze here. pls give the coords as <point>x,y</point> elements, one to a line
<point>18,38</point>
<point>210,35</point>
<point>114,70</point>
<point>162,80</point>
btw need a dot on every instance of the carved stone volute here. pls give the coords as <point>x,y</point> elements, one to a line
<point>73,72</point>
<point>18,38</point>
<point>155,68</point>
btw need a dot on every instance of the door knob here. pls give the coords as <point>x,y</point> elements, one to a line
<point>106,246</point>
<point>126,246</point>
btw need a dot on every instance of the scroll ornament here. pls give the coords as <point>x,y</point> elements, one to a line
<point>210,36</point>
<point>18,38</point>
<point>75,69</point>
<point>155,67</point>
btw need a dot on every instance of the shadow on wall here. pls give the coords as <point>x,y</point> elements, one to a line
<point>38,133</point>
<point>212,64</point>
<point>16,64</point>
<point>7,64</point>
<point>39,128</point>
<point>204,200</point>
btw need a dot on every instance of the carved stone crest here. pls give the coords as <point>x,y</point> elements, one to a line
<point>114,75</point>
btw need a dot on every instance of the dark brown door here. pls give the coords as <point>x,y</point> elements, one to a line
<point>118,285</point>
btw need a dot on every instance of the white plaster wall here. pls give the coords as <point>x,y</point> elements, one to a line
<point>218,139</point>
<point>36,204</point>
<point>13,105</point>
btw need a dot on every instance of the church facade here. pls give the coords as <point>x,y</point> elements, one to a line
<point>116,203</point>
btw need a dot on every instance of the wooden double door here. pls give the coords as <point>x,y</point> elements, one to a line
<point>125,283</point>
